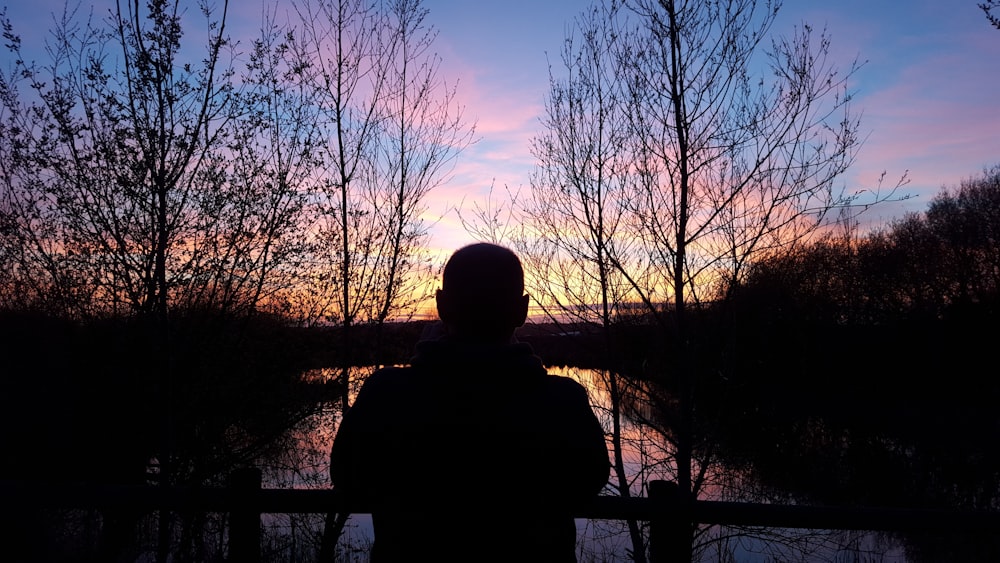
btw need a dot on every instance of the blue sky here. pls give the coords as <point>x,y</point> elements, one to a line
<point>929,91</point>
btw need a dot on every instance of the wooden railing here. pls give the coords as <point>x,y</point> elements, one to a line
<point>670,518</point>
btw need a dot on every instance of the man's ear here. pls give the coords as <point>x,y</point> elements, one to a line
<point>521,311</point>
<point>444,306</point>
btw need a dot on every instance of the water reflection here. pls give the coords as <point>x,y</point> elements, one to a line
<point>646,454</point>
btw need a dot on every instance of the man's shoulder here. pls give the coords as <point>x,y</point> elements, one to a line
<point>565,386</point>
<point>562,381</point>
<point>386,393</point>
<point>387,380</point>
<point>389,373</point>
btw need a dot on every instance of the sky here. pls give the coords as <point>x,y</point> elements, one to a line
<point>929,89</point>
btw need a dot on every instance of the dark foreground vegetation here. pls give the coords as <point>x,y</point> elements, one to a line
<point>864,369</point>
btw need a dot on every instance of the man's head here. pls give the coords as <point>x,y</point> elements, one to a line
<point>482,293</point>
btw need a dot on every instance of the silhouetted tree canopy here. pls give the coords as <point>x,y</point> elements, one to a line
<point>859,370</point>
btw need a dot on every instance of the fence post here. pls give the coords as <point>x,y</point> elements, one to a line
<point>670,528</point>
<point>244,521</point>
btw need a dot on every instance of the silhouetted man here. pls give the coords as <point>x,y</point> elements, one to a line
<point>475,452</point>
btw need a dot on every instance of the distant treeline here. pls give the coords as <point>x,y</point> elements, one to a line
<point>867,365</point>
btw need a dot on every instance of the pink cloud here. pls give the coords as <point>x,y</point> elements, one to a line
<point>939,121</point>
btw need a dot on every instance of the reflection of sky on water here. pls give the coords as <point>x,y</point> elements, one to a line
<point>644,455</point>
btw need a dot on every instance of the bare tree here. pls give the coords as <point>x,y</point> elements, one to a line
<point>262,177</point>
<point>143,181</point>
<point>113,153</point>
<point>680,148</point>
<point>121,132</point>
<point>987,7</point>
<point>392,129</point>
<point>738,150</point>
<point>423,133</point>
<point>576,222</point>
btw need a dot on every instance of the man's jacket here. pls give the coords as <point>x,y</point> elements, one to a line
<point>472,454</point>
